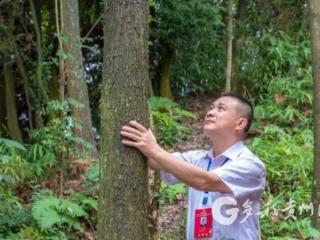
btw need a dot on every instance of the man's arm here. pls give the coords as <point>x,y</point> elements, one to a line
<point>191,175</point>
<point>143,139</point>
<point>154,165</point>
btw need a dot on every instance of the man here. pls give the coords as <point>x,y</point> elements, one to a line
<point>227,180</point>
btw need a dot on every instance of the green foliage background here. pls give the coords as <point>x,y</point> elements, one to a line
<point>275,71</point>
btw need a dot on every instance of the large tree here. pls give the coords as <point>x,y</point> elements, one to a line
<point>123,203</point>
<point>315,41</point>
<point>76,82</point>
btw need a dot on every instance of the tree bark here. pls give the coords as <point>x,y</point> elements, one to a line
<point>229,47</point>
<point>123,202</point>
<point>236,84</point>
<point>315,49</point>
<point>75,75</point>
<point>11,107</point>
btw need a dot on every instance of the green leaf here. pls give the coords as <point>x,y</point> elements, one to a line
<point>45,212</point>
<point>185,113</point>
<point>12,144</point>
<point>50,211</point>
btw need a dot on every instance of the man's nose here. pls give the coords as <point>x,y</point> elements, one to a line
<point>210,113</point>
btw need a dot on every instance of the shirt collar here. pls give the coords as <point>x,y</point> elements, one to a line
<point>232,152</point>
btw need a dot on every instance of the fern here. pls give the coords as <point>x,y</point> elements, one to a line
<point>161,104</point>
<point>50,211</point>
<point>86,201</point>
<point>11,144</point>
<point>40,159</point>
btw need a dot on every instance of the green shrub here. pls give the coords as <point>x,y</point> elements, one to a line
<point>50,211</point>
<point>12,164</point>
<point>287,154</point>
<point>40,159</point>
<point>57,136</point>
<point>12,215</point>
<point>285,144</point>
<point>168,119</point>
<point>91,182</point>
<point>168,193</point>
<point>18,162</point>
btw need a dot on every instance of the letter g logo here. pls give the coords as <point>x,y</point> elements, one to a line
<point>232,212</point>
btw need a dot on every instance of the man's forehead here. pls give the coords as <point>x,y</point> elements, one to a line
<point>226,100</point>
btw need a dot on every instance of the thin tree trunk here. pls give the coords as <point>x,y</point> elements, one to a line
<point>2,104</point>
<point>151,92</point>
<point>11,107</point>
<point>165,66</point>
<point>123,202</point>
<point>53,85</point>
<point>229,48</point>
<point>75,75</point>
<point>315,42</point>
<point>236,84</point>
<point>41,88</point>
<point>42,95</point>
<point>59,25</point>
<point>27,87</point>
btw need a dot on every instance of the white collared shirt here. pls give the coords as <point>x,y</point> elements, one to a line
<point>244,174</point>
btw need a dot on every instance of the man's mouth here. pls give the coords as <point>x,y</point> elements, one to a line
<point>208,122</point>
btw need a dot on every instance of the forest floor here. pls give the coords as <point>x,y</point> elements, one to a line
<point>172,220</point>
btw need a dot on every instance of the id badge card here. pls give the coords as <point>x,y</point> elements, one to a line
<point>203,223</point>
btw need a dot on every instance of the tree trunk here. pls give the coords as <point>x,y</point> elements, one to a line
<point>59,25</point>
<point>236,84</point>
<point>75,75</point>
<point>315,43</point>
<point>123,202</point>
<point>229,48</point>
<point>36,17</point>
<point>11,108</point>
<point>53,84</point>
<point>2,104</point>
<point>29,93</point>
<point>167,55</point>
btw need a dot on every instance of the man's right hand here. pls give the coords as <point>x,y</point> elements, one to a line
<point>140,138</point>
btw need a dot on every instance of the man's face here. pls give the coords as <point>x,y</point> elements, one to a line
<point>222,116</point>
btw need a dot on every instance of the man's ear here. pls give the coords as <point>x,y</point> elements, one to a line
<point>241,123</point>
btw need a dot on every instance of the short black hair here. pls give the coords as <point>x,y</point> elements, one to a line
<point>248,112</point>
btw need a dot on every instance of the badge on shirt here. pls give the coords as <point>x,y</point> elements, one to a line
<point>203,223</point>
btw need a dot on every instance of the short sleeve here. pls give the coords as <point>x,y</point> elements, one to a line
<point>191,157</point>
<point>243,176</point>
